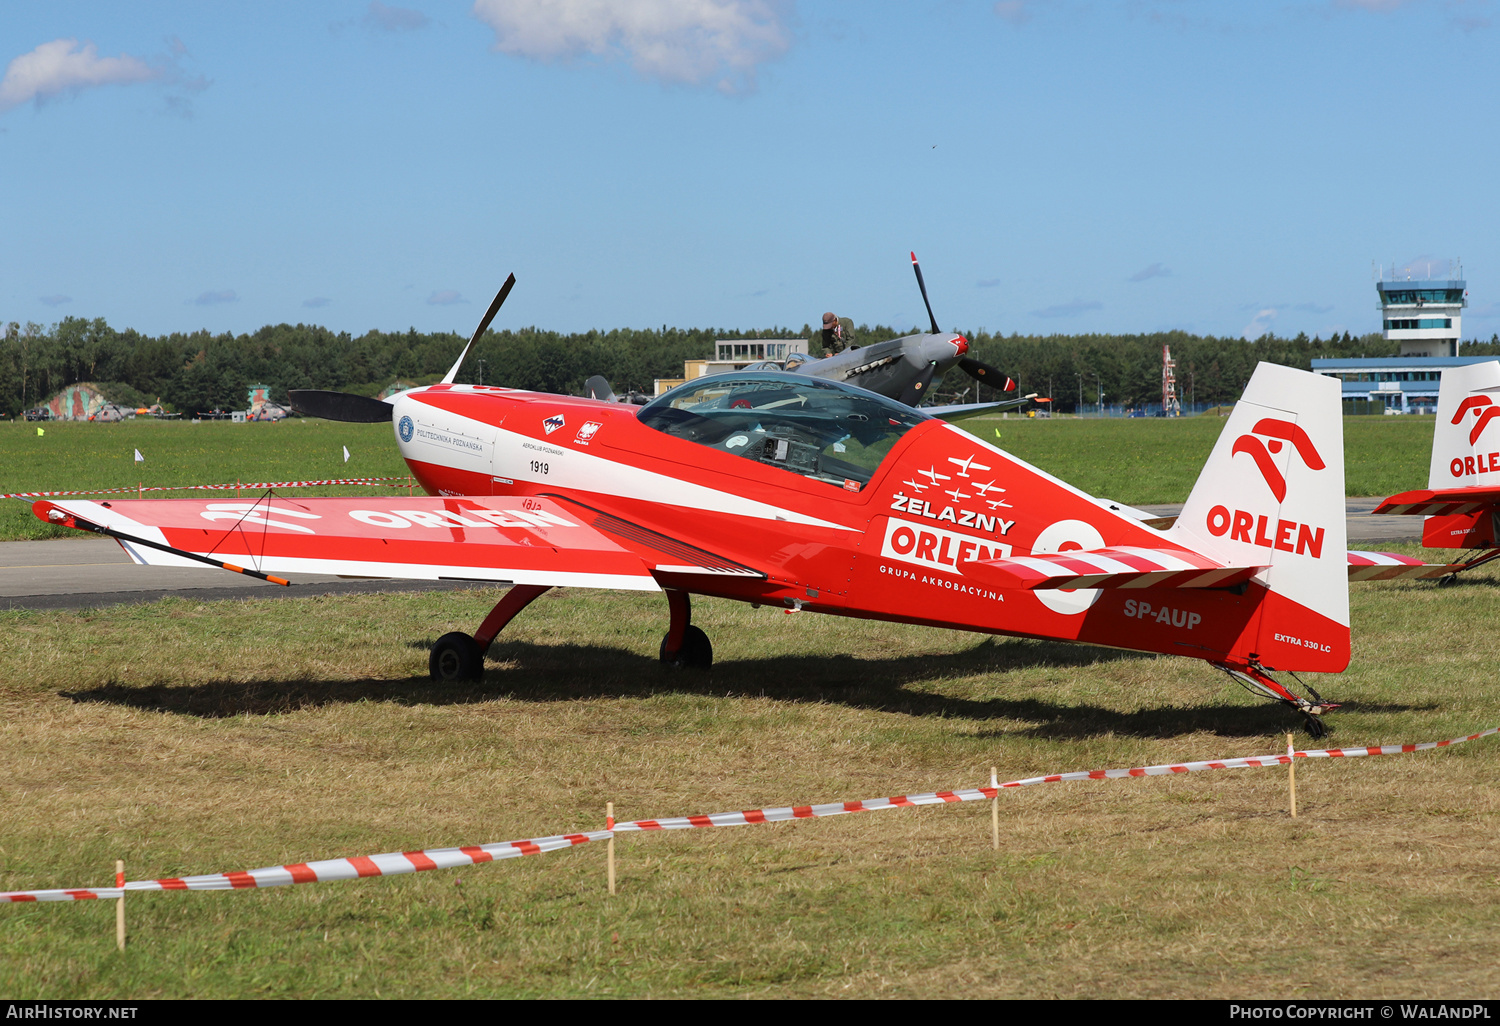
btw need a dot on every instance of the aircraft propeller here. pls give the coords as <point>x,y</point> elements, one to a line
<point>980,372</point>
<point>986,375</point>
<point>916,391</point>
<point>923,286</point>
<point>361,409</point>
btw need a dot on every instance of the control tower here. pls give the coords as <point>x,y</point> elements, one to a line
<point>1424,315</point>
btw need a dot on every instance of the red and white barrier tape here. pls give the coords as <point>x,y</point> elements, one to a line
<point>978,793</point>
<point>398,863</point>
<point>208,487</point>
<point>389,864</point>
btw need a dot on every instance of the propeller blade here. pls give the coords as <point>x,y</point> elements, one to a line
<point>489,315</point>
<point>353,409</point>
<point>923,286</point>
<point>985,374</point>
<point>597,387</point>
<point>915,392</point>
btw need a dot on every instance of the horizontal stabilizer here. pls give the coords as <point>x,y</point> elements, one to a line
<point>1120,567</point>
<point>1439,502</point>
<point>1393,566</point>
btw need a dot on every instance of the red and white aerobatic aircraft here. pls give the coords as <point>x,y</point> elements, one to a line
<point>1462,499</point>
<point>781,489</point>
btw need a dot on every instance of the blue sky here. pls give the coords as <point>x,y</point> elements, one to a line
<point>1058,165</point>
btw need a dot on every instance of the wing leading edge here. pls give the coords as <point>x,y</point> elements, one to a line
<point>486,539</point>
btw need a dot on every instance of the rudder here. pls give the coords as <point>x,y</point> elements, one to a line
<point>1272,494</point>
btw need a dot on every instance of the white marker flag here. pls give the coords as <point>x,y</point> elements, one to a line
<point>346,454</point>
<point>138,457</point>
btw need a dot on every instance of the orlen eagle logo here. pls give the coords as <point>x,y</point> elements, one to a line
<point>1485,411</point>
<point>1260,529</point>
<point>1279,431</point>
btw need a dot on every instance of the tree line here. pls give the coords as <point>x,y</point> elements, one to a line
<point>200,371</point>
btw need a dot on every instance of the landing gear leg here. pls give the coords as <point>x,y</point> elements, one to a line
<point>684,645</point>
<point>1480,560</point>
<point>457,656</point>
<point>1257,680</point>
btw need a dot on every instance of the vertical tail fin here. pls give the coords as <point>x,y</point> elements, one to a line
<point>1462,439</point>
<point>1272,494</point>
<point>1466,455</point>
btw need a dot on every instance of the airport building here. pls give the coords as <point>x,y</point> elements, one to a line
<point>734,354</point>
<point>1426,317</point>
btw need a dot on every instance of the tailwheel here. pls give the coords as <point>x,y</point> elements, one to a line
<point>696,652</point>
<point>456,657</point>
<point>1255,679</point>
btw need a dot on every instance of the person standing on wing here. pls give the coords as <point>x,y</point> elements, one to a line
<point>836,337</point>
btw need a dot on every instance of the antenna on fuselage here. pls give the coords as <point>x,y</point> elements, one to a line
<point>488,316</point>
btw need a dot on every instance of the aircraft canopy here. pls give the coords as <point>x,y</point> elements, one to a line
<point>820,429</point>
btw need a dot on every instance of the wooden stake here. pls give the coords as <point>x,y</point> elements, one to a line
<point>140,489</point>
<point>609,824</point>
<point>120,905</point>
<point>1291,774</point>
<point>995,808</point>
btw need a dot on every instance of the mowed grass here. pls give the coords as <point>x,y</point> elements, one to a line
<point>1151,460</point>
<point>201,738</point>
<point>1137,461</point>
<point>78,455</point>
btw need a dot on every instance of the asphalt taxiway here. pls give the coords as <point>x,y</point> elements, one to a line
<point>85,573</point>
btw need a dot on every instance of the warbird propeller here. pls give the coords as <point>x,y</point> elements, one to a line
<point>813,495</point>
<point>904,368</point>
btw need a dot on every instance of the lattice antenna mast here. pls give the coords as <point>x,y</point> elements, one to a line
<point>1170,407</point>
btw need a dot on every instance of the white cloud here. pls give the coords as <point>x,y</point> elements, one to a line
<point>394,19</point>
<point>215,298</point>
<point>57,300</point>
<point>1078,306</point>
<point>1013,11</point>
<point>447,297</point>
<point>1154,271</point>
<point>316,301</point>
<point>688,41</point>
<point>62,66</point>
<point>1425,266</point>
<point>1259,324</point>
<point>1379,6</point>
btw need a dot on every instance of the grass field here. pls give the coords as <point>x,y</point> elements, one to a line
<point>190,738</point>
<point>1133,461</point>
<point>1153,460</point>
<point>200,738</point>
<point>74,455</point>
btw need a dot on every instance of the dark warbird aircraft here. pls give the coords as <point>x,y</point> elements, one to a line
<point>904,368</point>
<point>899,368</point>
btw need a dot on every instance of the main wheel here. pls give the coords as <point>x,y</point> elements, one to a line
<point>455,657</point>
<point>696,653</point>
